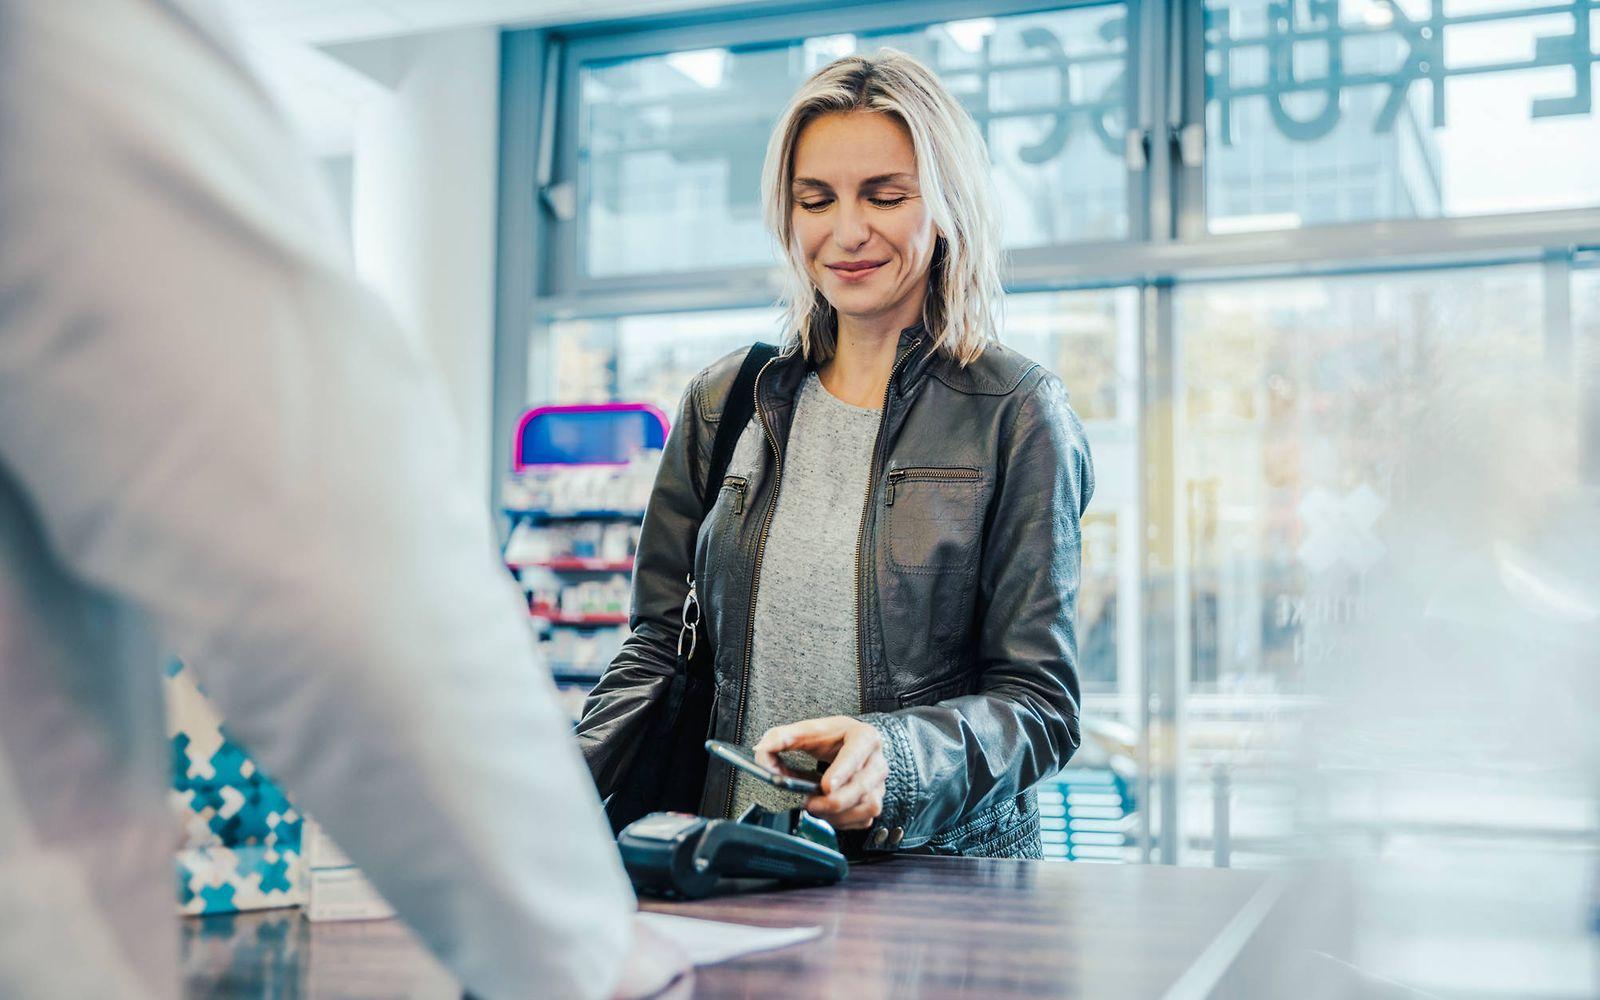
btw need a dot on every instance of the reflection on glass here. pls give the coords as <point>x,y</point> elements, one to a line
<point>1586,308</point>
<point>1360,110</point>
<point>1586,363</point>
<point>1090,339</point>
<point>671,146</point>
<point>648,358</point>
<point>1392,549</point>
<point>1295,399</point>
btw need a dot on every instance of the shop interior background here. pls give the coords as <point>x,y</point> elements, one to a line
<point>1323,279</point>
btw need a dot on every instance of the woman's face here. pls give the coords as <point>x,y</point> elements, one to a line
<point>859,219</point>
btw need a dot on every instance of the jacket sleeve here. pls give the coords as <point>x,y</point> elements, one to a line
<point>950,761</point>
<point>617,710</point>
<point>220,432</point>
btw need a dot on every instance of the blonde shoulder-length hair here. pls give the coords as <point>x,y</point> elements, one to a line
<point>962,307</point>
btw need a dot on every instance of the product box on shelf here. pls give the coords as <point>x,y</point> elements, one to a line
<point>336,889</point>
<point>343,894</point>
<point>567,490</point>
<point>571,697</point>
<point>583,653</point>
<point>242,837</point>
<point>582,477</point>
<point>573,545</point>
<point>571,601</point>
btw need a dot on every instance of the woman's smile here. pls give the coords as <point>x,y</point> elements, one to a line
<point>856,271</point>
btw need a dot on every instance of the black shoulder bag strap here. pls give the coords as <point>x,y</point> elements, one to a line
<point>737,410</point>
<point>672,775</point>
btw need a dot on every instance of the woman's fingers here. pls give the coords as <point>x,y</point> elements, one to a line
<point>872,779</point>
<point>771,743</point>
<point>859,815</point>
<point>863,793</point>
<point>854,783</point>
<point>845,742</point>
<point>859,818</point>
<point>819,737</point>
<point>836,803</point>
<point>861,742</point>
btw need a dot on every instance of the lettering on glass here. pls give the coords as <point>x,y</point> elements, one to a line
<point>1295,28</point>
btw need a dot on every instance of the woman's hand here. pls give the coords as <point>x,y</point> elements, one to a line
<point>854,783</point>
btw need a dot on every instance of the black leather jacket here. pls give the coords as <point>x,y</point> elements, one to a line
<point>969,563</point>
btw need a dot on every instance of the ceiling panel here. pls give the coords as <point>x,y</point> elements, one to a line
<point>327,21</point>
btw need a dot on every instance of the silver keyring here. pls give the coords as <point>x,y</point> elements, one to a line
<point>690,627</point>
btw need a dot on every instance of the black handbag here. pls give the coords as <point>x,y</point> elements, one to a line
<point>668,771</point>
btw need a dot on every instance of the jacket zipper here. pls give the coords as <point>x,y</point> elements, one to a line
<point>739,486</point>
<point>861,531</point>
<point>761,544</point>
<point>937,475</point>
<point>755,577</point>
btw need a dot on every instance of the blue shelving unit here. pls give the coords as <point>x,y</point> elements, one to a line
<point>1085,814</point>
<point>577,437</point>
<point>540,516</point>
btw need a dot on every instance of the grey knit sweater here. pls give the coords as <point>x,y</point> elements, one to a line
<point>803,663</point>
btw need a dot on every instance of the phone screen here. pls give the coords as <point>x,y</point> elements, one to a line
<point>806,783</point>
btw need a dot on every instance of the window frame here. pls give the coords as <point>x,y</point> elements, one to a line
<point>568,290</point>
<point>1168,246</point>
<point>1168,237</point>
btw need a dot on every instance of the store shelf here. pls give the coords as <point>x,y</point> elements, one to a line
<point>580,621</point>
<point>576,553</point>
<point>1086,814</point>
<point>541,516</point>
<point>575,677</point>
<point>578,565</point>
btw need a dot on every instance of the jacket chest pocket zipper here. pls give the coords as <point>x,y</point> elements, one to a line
<point>740,487</point>
<point>898,476</point>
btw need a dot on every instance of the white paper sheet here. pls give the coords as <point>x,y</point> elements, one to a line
<point>708,942</point>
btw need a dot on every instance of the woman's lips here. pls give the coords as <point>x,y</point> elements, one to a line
<point>856,272</point>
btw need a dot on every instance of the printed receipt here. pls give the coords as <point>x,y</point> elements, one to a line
<point>708,942</point>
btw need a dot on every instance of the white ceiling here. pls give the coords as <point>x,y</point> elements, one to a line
<point>320,22</point>
<point>323,97</point>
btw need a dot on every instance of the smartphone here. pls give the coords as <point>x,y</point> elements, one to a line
<point>806,783</point>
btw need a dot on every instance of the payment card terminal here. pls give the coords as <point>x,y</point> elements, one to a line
<point>685,857</point>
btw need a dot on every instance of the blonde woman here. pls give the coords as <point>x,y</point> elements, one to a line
<point>887,571</point>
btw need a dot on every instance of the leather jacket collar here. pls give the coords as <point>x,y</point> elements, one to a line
<point>781,380</point>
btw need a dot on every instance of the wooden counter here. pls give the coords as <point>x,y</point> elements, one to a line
<point>911,927</point>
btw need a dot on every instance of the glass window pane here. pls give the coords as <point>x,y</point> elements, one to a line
<point>647,358</point>
<point>1393,602</point>
<point>1379,111</point>
<point>1586,308</point>
<point>1586,355</point>
<point>671,146</point>
<point>1354,457</point>
<point>1091,340</point>
<point>1294,402</point>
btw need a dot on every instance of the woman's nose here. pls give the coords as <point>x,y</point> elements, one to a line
<point>850,230</point>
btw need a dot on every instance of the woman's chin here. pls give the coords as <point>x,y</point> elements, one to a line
<point>859,303</point>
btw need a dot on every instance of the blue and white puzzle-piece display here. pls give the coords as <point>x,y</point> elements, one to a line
<point>242,836</point>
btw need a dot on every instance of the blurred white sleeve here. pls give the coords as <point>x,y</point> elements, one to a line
<point>216,425</point>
